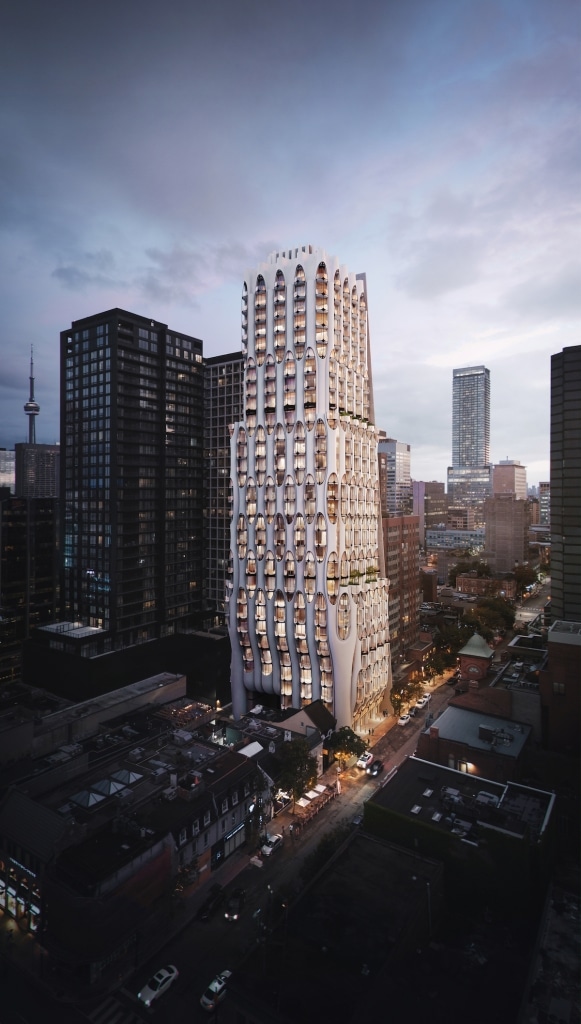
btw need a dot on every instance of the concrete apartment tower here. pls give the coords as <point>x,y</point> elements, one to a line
<point>308,613</point>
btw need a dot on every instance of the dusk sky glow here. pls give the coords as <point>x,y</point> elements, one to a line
<point>152,153</point>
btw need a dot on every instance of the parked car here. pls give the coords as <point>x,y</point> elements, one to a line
<point>403,720</point>
<point>235,904</point>
<point>413,711</point>
<point>427,697</point>
<point>157,985</point>
<point>375,768</point>
<point>216,991</point>
<point>271,843</point>
<point>215,899</point>
<point>421,702</point>
<point>365,759</point>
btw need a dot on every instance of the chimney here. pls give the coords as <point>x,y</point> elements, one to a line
<point>434,732</point>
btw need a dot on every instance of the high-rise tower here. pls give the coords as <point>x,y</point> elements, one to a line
<point>565,487</point>
<point>308,612</point>
<point>31,408</point>
<point>469,477</point>
<point>131,476</point>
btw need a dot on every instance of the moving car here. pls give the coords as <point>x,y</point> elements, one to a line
<point>235,904</point>
<point>403,720</point>
<point>216,991</point>
<point>365,759</point>
<point>215,899</point>
<point>375,768</point>
<point>157,985</point>
<point>271,843</point>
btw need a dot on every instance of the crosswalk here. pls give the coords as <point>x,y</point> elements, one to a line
<point>112,1011</point>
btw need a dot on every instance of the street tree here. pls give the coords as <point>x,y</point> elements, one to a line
<point>299,768</point>
<point>346,743</point>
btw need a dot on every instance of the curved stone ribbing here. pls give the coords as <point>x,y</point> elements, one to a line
<point>308,614</point>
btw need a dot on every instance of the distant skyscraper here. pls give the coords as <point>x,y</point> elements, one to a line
<point>29,548</point>
<point>7,469</point>
<point>509,477</point>
<point>395,477</point>
<point>131,474</point>
<point>469,477</point>
<point>566,485</point>
<point>223,406</point>
<point>308,611</point>
<point>507,530</point>
<point>430,505</point>
<point>545,502</point>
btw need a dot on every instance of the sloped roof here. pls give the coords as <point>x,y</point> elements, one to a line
<point>320,716</point>
<point>477,647</point>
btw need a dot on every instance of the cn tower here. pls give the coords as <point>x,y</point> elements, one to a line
<point>32,408</point>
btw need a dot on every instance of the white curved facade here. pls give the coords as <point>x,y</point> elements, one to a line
<point>308,607</point>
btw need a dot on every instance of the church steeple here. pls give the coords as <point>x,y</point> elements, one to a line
<point>32,408</point>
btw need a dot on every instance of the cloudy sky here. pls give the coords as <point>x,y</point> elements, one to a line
<point>152,152</point>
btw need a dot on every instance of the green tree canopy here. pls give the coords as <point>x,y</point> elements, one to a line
<point>346,743</point>
<point>524,576</point>
<point>299,768</point>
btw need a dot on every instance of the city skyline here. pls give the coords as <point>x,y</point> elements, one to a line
<point>221,134</point>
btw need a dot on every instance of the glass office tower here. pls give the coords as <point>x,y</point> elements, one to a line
<point>469,477</point>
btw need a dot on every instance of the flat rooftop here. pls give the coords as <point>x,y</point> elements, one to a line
<point>460,803</point>
<point>482,732</point>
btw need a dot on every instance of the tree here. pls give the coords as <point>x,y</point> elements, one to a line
<point>524,577</point>
<point>346,743</point>
<point>299,768</point>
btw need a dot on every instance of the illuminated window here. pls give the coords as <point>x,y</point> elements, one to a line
<point>250,500</point>
<point>242,457</point>
<point>260,536</point>
<point>290,393</point>
<point>344,570</point>
<point>251,395</point>
<point>310,498</point>
<point>251,573</point>
<point>343,617</point>
<point>269,573</point>
<point>299,537</point>
<point>333,577</point>
<point>279,316</point>
<point>260,320</point>
<point>289,499</point>
<point>310,391</point>
<point>270,393</point>
<point>299,321</point>
<point>320,537</point>
<point>310,575</point>
<point>260,455</point>
<point>300,450</point>
<point>270,499</point>
<point>289,574</point>
<point>279,537</point>
<point>320,451</point>
<point>242,536</point>
<point>332,497</point>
